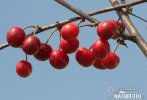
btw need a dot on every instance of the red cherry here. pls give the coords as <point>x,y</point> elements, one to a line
<point>84,57</point>
<point>69,46</point>
<point>121,27</point>
<point>58,59</point>
<point>15,36</point>
<point>111,61</point>
<point>106,29</point>
<point>23,68</point>
<point>44,52</point>
<point>69,31</point>
<point>101,48</point>
<point>31,45</point>
<point>97,64</point>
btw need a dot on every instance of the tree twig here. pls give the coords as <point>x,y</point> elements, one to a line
<point>131,28</point>
<point>108,9</point>
<point>138,17</point>
<point>77,11</point>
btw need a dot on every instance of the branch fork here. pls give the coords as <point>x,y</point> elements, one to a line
<point>134,35</point>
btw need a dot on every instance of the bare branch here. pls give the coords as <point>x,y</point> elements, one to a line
<point>86,16</point>
<point>77,11</point>
<point>4,46</point>
<point>117,7</point>
<point>131,28</point>
<point>45,28</point>
<point>126,36</point>
<point>138,17</point>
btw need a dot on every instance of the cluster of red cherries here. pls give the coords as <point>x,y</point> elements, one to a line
<point>98,55</point>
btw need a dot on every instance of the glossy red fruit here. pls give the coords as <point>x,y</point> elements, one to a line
<point>23,68</point>
<point>84,57</point>
<point>118,25</point>
<point>58,59</point>
<point>101,48</point>
<point>69,31</point>
<point>111,61</point>
<point>97,64</point>
<point>106,29</point>
<point>44,52</point>
<point>31,45</point>
<point>15,36</point>
<point>69,46</point>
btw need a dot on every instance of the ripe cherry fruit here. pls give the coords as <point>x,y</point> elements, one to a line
<point>84,57</point>
<point>69,31</point>
<point>31,45</point>
<point>120,27</point>
<point>97,64</point>
<point>15,36</point>
<point>44,52</point>
<point>69,46</point>
<point>111,61</point>
<point>101,48</point>
<point>23,68</point>
<point>58,59</point>
<point>106,29</point>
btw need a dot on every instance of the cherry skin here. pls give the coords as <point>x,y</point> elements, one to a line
<point>31,45</point>
<point>69,46</point>
<point>101,48</point>
<point>111,61</point>
<point>69,31</point>
<point>120,26</point>
<point>23,68</point>
<point>44,52</point>
<point>97,64</point>
<point>84,57</point>
<point>58,59</point>
<point>106,29</point>
<point>15,36</point>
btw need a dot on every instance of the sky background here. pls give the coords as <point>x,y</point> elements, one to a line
<point>74,82</point>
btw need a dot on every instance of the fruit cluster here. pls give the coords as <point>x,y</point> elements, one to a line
<point>98,55</point>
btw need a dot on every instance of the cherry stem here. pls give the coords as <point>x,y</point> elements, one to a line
<point>36,27</point>
<point>50,36</point>
<point>59,29</point>
<point>116,47</point>
<point>82,20</point>
<point>26,57</point>
<point>118,19</point>
<point>29,27</point>
<point>59,40</point>
<point>90,47</point>
<point>137,17</point>
<point>122,42</point>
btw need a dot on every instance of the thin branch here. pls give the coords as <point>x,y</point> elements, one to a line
<point>116,47</point>
<point>131,28</point>
<point>108,9</point>
<point>138,17</point>
<point>126,36</point>
<point>117,7</point>
<point>4,46</point>
<point>77,11</point>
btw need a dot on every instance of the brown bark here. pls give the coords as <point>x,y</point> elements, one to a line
<point>131,28</point>
<point>135,36</point>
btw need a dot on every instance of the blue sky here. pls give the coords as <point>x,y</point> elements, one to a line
<point>74,82</point>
